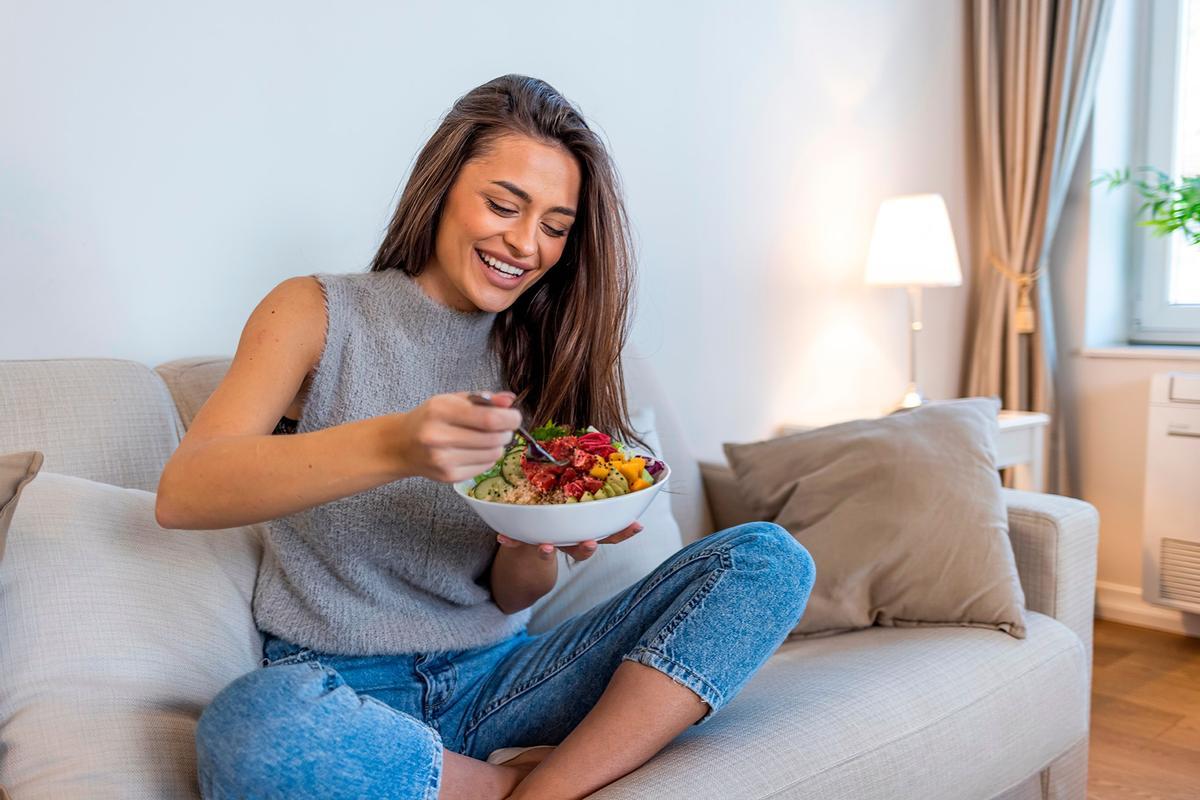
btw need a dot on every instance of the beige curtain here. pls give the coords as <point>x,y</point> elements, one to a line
<point>1034,66</point>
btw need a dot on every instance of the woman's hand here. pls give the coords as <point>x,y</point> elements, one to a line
<point>580,552</point>
<point>522,573</point>
<point>449,438</point>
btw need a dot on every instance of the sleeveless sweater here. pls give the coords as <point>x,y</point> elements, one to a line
<point>401,568</point>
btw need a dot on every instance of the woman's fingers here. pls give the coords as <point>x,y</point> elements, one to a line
<point>632,530</point>
<point>582,551</point>
<point>493,418</point>
<point>545,551</point>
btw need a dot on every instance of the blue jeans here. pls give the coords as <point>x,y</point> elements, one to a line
<point>332,726</point>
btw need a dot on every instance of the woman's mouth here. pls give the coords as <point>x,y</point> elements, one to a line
<point>499,272</point>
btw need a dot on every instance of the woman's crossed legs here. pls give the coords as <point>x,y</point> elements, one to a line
<point>610,687</point>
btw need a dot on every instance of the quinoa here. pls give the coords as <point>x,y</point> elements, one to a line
<point>524,494</point>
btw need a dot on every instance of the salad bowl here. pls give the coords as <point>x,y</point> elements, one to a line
<point>563,524</point>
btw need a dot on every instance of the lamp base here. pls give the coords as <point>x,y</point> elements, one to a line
<point>912,399</point>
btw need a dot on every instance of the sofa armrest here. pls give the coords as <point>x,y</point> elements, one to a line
<point>1054,540</point>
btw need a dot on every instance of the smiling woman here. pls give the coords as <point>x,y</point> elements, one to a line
<point>514,206</point>
<point>396,655</point>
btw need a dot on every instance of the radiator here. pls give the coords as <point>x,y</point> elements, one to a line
<point>1171,539</point>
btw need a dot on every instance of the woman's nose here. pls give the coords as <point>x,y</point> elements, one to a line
<point>522,239</point>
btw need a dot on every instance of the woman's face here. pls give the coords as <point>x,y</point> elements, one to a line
<point>504,224</point>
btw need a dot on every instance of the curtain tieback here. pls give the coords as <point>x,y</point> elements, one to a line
<point>1024,321</point>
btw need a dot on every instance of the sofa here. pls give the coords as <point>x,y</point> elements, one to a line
<point>106,674</point>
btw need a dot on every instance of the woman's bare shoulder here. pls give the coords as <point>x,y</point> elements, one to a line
<point>280,346</point>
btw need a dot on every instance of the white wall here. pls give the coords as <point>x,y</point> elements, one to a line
<point>163,166</point>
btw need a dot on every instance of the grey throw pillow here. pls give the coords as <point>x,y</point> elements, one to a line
<point>16,470</point>
<point>903,516</point>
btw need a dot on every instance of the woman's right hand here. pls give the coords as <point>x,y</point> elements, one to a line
<point>449,438</point>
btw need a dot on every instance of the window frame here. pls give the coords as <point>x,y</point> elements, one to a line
<point>1153,319</point>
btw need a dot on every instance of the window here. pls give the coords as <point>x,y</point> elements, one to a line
<point>1167,306</point>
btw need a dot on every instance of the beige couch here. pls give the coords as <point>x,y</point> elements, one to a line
<point>952,713</point>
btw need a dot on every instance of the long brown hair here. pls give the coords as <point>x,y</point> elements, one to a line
<point>560,342</point>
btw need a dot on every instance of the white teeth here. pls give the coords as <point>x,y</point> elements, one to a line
<point>507,269</point>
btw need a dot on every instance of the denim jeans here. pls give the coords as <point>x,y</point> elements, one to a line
<point>315,724</point>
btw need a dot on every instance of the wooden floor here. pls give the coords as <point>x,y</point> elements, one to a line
<point>1145,740</point>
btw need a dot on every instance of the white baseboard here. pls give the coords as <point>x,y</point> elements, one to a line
<point>1120,603</point>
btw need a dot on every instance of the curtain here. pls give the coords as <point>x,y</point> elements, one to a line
<point>1034,65</point>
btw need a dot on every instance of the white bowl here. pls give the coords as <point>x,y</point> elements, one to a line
<point>564,524</point>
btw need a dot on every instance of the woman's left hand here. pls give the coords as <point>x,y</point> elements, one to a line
<point>580,552</point>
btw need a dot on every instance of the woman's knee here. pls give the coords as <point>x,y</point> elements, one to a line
<point>254,719</point>
<point>268,730</point>
<point>770,551</point>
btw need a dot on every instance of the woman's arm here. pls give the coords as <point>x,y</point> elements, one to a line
<point>521,575</point>
<point>229,470</point>
<point>521,578</point>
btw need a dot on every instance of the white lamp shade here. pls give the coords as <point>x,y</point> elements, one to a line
<point>912,244</point>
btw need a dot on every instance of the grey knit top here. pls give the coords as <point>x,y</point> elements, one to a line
<point>400,568</point>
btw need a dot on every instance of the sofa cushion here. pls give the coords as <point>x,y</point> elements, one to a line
<point>191,381</point>
<point>116,634</point>
<point>16,471</point>
<point>99,418</point>
<point>903,516</point>
<point>611,568</point>
<point>934,713</point>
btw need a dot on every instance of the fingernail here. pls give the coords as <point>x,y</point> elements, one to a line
<point>589,546</point>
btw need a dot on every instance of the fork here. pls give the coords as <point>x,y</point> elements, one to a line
<point>485,399</point>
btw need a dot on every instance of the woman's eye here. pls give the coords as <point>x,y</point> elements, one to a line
<point>499,209</point>
<point>503,211</point>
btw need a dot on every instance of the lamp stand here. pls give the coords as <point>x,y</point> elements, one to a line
<point>912,396</point>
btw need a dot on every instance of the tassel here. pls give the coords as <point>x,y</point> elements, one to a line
<point>1024,319</point>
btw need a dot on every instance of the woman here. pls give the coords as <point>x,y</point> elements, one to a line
<point>395,646</point>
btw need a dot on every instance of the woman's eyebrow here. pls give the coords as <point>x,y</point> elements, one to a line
<point>524,195</point>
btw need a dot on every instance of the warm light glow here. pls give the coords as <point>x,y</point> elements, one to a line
<point>912,244</point>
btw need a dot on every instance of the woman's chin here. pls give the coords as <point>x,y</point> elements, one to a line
<point>492,299</point>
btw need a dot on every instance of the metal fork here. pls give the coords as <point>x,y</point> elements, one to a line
<point>485,399</point>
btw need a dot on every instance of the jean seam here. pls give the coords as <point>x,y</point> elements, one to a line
<point>668,630</point>
<point>722,551</point>
<point>431,790</point>
<point>299,657</point>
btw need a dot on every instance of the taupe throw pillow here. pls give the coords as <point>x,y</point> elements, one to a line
<point>16,470</point>
<point>903,516</point>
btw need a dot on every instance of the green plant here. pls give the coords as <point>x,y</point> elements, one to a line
<point>1172,207</point>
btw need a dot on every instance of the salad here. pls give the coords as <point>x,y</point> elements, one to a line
<point>597,468</point>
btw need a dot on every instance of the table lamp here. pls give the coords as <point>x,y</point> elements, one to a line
<point>912,246</point>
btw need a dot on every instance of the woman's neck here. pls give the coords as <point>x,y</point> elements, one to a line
<point>433,282</point>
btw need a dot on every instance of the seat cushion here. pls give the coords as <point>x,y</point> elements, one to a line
<point>114,635</point>
<point>103,419</point>
<point>884,713</point>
